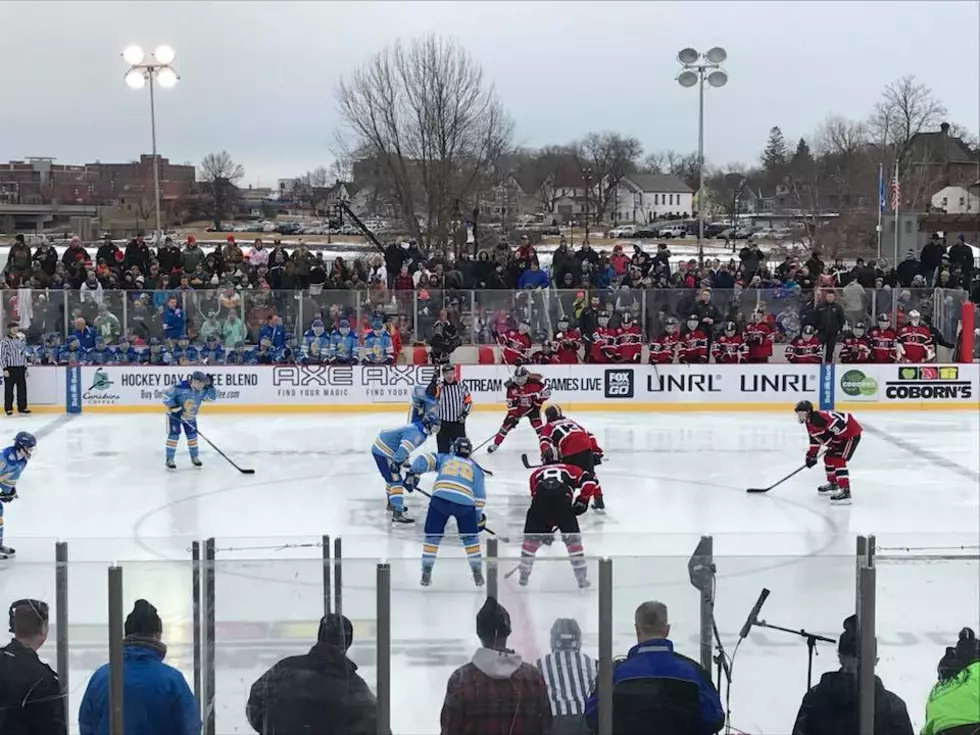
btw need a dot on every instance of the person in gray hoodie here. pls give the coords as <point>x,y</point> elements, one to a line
<point>496,692</point>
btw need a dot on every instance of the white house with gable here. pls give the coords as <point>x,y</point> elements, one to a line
<point>644,198</point>
<point>957,199</point>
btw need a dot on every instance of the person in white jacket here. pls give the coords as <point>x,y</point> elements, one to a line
<point>92,290</point>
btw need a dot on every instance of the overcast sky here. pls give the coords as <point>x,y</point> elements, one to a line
<point>258,79</point>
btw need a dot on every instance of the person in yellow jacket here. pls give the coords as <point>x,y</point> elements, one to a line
<point>953,707</point>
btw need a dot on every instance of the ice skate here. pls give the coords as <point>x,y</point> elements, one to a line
<point>598,504</point>
<point>841,497</point>
<point>171,465</point>
<point>830,487</point>
<point>582,578</point>
<point>401,516</point>
<point>478,577</point>
<point>492,448</point>
<point>426,578</point>
<point>389,508</point>
<point>6,552</point>
<point>196,462</point>
<point>524,578</point>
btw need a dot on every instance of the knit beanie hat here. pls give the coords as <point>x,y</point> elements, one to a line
<point>143,620</point>
<point>335,630</point>
<point>493,621</point>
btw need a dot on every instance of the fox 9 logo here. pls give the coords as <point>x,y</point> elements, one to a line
<point>618,384</point>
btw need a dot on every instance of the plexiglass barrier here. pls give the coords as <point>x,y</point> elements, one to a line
<point>269,596</point>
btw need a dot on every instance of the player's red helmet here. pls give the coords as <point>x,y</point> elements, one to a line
<point>553,413</point>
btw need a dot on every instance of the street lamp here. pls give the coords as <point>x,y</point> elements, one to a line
<point>698,69</point>
<point>142,72</point>
<point>587,178</point>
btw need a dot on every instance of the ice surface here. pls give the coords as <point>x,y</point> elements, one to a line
<point>98,481</point>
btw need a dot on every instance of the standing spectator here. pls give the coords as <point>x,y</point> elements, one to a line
<point>19,258</point>
<point>13,361</point>
<point>107,325</point>
<point>931,256</point>
<point>156,698</point>
<point>317,692</point>
<point>91,290</point>
<point>961,256</point>
<point>831,707</point>
<point>107,251</point>
<point>496,692</point>
<point>75,256</point>
<point>258,255</point>
<point>137,255</point>
<point>533,277</point>
<point>47,257</point>
<point>232,254</point>
<point>191,256</point>
<point>828,320</point>
<point>953,707</point>
<point>706,312</point>
<point>31,702</point>
<point>852,298</point>
<point>234,330</point>
<point>908,269</point>
<point>569,674</point>
<point>173,319</point>
<point>656,689</point>
<point>752,259</point>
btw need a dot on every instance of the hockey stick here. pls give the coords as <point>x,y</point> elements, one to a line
<point>483,443</point>
<point>527,463</point>
<point>780,482</point>
<point>516,569</point>
<point>243,470</point>
<point>505,539</point>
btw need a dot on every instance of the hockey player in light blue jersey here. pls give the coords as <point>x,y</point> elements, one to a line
<point>183,402</point>
<point>343,345</point>
<point>378,348</point>
<point>459,493</point>
<point>13,460</point>
<point>391,452</point>
<point>316,333</point>
<point>424,401</point>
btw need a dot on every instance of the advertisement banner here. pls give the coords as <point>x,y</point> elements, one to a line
<point>857,383</point>
<point>45,387</point>
<point>915,387</point>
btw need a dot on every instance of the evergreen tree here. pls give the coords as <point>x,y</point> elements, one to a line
<point>774,156</point>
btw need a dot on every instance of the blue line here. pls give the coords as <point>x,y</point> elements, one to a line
<point>928,456</point>
<point>53,426</point>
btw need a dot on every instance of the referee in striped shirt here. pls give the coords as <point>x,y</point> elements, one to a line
<point>569,675</point>
<point>13,360</point>
<point>455,404</point>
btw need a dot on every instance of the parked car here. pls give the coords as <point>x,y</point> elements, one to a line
<point>671,231</point>
<point>714,230</point>
<point>621,232</point>
<point>646,231</point>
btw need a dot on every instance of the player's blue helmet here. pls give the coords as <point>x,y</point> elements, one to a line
<point>199,376</point>
<point>430,423</point>
<point>73,340</point>
<point>25,442</point>
<point>461,447</point>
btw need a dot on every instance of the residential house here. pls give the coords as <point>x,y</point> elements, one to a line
<point>934,161</point>
<point>648,197</point>
<point>957,199</point>
<point>507,202</point>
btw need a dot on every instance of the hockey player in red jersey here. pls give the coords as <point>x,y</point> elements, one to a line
<point>692,348</point>
<point>883,341</point>
<point>729,348</point>
<point>759,338</point>
<point>663,349</point>
<point>526,393</point>
<point>555,506</point>
<point>603,345</point>
<point>914,342</point>
<point>516,344</point>
<point>545,356</point>
<point>839,434</point>
<point>855,347</point>
<point>569,342</point>
<point>564,440</point>
<point>805,349</point>
<point>629,341</point>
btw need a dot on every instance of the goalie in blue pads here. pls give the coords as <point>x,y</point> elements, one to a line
<point>458,492</point>
<point>391,452</point>
<point>13,461</point>
<point>183,402</point>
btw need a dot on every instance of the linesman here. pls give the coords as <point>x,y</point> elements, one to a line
<point>455,405</point>
<point>31,701</point>
<point>569,675</point>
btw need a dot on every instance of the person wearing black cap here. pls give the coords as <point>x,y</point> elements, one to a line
<point>831,707</point>
<point>156,698</point>
<point>31,701</point>
<point>455,404</point>
<point>13,361</point>
<point>496,692</point>
<point>318,692</point>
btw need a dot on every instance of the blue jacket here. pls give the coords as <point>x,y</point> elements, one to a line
<point>533,279</point>
<point>156,698</point>
<point>275,334</point>
<point>86,337</point>
<point>657,690</point>
<point>173,322</point>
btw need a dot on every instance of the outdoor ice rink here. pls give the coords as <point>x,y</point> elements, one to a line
<point>98,482</point>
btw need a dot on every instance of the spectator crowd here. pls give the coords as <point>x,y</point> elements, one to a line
<point>623,307</point>
<point>655,689</point>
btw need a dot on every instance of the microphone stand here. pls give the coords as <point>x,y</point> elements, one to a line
<point>811,645</point>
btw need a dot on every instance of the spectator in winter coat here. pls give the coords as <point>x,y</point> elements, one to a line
<point>831,707</point>
<point>852,298</point>
<point>619,260</point>
<point>932,253</point>
<point>19,258</point>
<point>953,707</point>
<point>908,269</point>
<point>91,289</point>
<point>233,331</point>
<point>318,692</point>
<point>107,251</point>
<point>586,253</point>
<point>47,257</point>
<point>563,261</point>
<point>173,319</point>
<point>828,320</point>
<point>752,258</point>
<point>533,277</point>
<point>961,256</point>
<point>191,256</point>
<point>655,689</point>
<point>496,692</point>
<point>75,255</point>
<point>137,254</point>
<point>156,696</point>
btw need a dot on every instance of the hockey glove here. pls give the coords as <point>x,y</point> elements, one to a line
<point>482,523</point>
<point>466,410</point>
<point>597,458</point>
<point>580,506</point>
<point>208,380</point>
<point>7,494</point>
<point>811,460</point>
<point>176,410</point>
<point>410,482</point>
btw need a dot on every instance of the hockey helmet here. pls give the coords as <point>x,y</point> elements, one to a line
<point>553,413</point>
<point>198,377</point>
<point>627,317</point>
<point>803,411</point>
<point>430,423</point>
<point>859,329</point>
<point>566,635</point>
<point>809,331</point>
<point>915,316</point>
<point>693,321</point>
<point>521,375</point>
<point>461,447</point>
<point>524,327</point>
<point>670,325</point>
<point>883,320</point>
<point>562,320</point>
<point>25,442</point>
<point>730,328</point>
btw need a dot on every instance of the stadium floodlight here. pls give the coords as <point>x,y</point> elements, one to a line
<point>687,78</point>
<point>136,79</point>
<point>687,56</point>
<point>133,55</point>
<point>717,78</point>
<point>717,55</point>
<point>167,77</point>
<point>164,55</point>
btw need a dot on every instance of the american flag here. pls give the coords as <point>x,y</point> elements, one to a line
<point>896,191</point>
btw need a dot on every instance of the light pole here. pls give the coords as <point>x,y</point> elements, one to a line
<point>142,72</point>
<point>698,69</point>
<point>587,178</point>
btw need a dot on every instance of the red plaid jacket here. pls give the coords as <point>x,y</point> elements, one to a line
<point>496,694</point>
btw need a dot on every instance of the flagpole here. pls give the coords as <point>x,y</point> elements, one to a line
<point>881,202</point>
<point>898,201</point>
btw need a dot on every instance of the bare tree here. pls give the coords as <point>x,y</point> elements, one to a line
<point>342,168</point>
<point>727,187</point>
<point>311,188</point>
<point>653,163</point>
<point>905,109</point>
<point>219,178</point>
<point>610,157</point>
<point>425,112</point>
<point>541,170</point>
